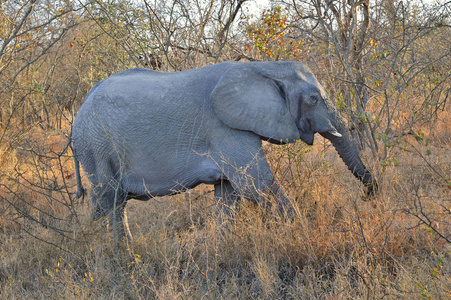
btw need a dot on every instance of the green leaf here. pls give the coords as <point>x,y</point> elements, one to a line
<point>395,161</point>
<point>419,136</point>
<point>404,149</point>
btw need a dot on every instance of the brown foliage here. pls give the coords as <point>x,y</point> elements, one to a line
<point>336,247</point>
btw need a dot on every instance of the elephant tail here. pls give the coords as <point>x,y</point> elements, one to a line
<point>80,188</point>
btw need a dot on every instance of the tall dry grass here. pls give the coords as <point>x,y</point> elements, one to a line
<point>336,247</point>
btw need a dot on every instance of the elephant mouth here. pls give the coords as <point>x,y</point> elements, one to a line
<point>307,130</point>
<point>306,133</point>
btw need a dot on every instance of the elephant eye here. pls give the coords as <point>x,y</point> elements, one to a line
<point>313,99</point>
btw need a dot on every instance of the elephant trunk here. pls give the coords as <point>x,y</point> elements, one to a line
<point>349,153</point>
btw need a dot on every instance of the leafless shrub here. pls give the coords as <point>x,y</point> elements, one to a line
<point>389,74</point>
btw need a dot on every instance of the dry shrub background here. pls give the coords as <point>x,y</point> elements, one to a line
<point>395,89</point>
<point>337,247</point>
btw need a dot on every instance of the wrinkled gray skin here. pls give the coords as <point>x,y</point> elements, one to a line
<point>142,133</point>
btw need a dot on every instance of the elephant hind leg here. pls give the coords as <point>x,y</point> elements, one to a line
<point>118,221</point>
<point>110,202</point>
<point>109,198</point>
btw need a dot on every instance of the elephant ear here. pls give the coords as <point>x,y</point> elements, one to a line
<point>247,99</point>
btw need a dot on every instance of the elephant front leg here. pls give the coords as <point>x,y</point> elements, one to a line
<point>227,200</point>
<point>242,161</point>
<point>284,206</point>
<point>256,182</point>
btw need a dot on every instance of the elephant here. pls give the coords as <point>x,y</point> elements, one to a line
<point>143,133</point>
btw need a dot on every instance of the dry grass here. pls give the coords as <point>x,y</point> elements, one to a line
<point>337,247</point>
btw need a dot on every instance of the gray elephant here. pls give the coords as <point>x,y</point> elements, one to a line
<point>142,133</point>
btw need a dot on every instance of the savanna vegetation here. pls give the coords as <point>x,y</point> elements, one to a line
<point>385,63</point>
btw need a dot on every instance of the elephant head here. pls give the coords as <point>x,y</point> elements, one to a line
<point>283,102</point>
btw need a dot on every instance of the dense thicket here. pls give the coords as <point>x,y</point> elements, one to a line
<point>385,63</point>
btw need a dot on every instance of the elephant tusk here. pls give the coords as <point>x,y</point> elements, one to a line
<point>335,133</point>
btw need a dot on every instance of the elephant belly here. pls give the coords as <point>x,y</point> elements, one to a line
<point>169,179</point>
